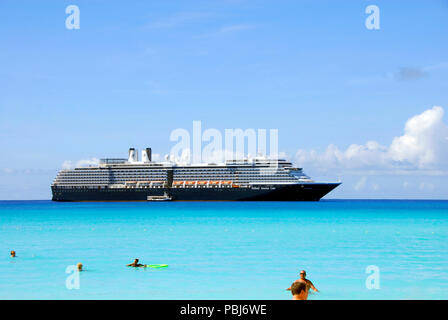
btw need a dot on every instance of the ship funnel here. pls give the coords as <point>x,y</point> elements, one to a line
<point>132,155</point>
<point>146,155</point>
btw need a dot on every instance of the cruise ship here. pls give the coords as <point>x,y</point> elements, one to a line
<point>131,179</point>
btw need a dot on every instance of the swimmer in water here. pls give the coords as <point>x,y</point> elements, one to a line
<point>299,291</point>
<point>13,254</point>
<point>79,266</point>
<point>308,283</point>
<point>135,264</point>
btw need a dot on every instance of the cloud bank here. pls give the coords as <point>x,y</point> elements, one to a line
<point>423,147</point>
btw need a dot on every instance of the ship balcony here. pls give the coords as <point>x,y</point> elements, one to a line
<point>205,184</point>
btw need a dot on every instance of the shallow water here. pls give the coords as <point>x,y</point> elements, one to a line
<point>224,250</point>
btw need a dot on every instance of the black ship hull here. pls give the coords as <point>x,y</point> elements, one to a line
<point>287,192</point>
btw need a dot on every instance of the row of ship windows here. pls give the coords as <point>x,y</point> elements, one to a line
<point>86,188</point>
<point>114,174</point>
<point>117,182</point>
<point>117,170</point>
<point>104,187</point>
<point>176,178</point>
<point>174,170</point>
<point>180,174</point>
<point>63,174</point>
<point>189,177</point>
<point>108,183</point>
<point>109,177</point>
<point>228,171</point>
<point>231,175</point>
<point>103,173</point>
<point>238,178</point>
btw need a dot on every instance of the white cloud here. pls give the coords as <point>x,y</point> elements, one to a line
<point>26,171</point>
<point>425,140</point>
<point>88,162</point>
<point>68,164</point>
<point>423,146</point>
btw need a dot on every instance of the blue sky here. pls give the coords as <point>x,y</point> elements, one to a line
<point>136,70</point>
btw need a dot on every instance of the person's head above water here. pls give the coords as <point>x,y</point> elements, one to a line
<point>13,253</point>
<point>298,287</point>
<point>135,263</point>
<point>298,290</point>
<point>79,266</point>
<point>302,274</point>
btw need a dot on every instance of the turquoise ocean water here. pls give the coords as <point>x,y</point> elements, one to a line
<point>224,250</point>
